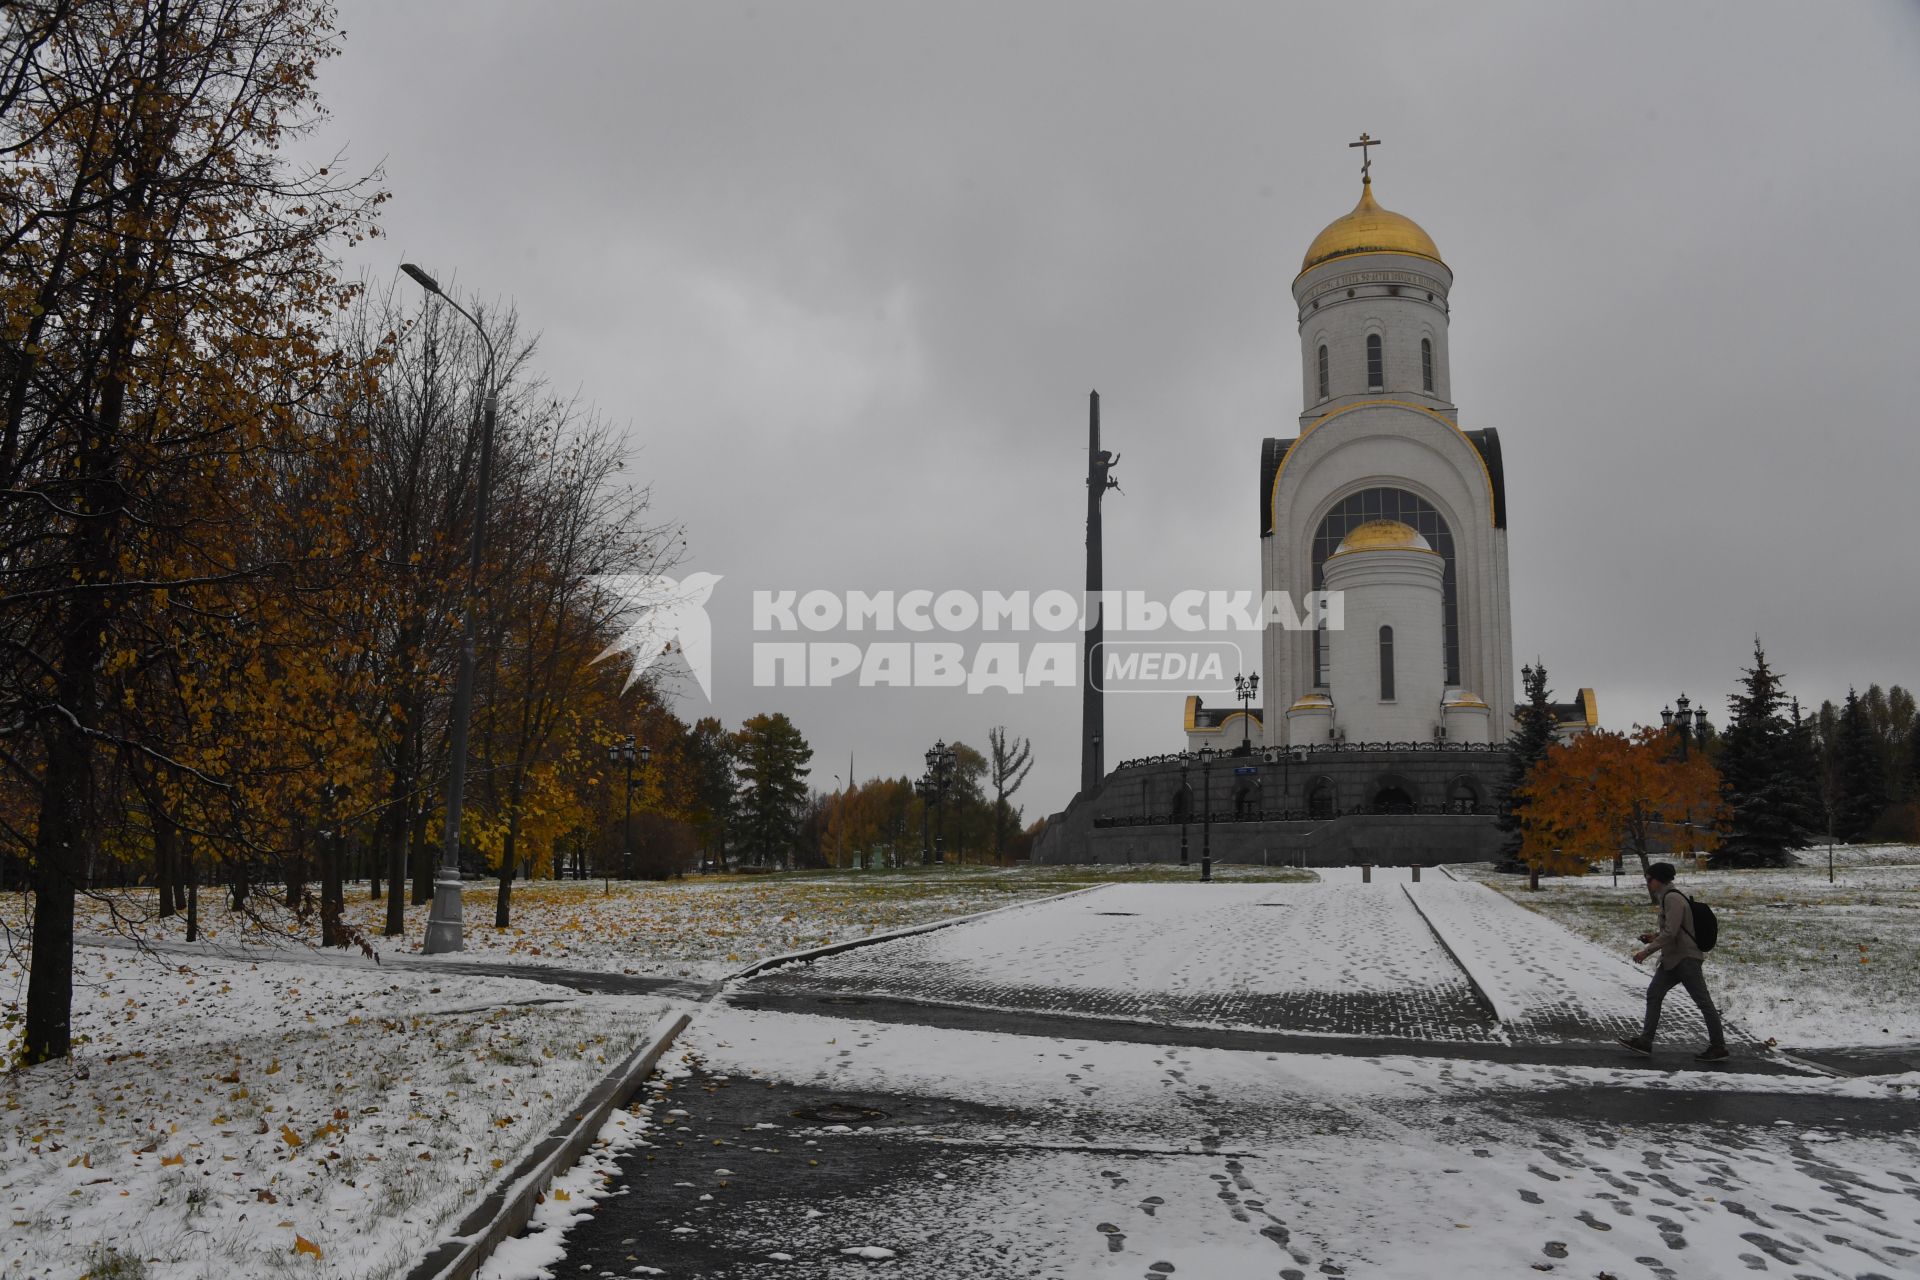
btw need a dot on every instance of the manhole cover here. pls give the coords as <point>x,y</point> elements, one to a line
<point>837,1113</point>
<point>843,1000</point>
<point>1116,913</point>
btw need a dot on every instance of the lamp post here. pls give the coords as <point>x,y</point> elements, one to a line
<point>940,765</point>
<point>1690,725</point>
<point>624,753</point>
<point>1186,805</point>
<point>1245,688</point>
<point>1206,813</point>
<point>925,789</point>
<point>444,927</point>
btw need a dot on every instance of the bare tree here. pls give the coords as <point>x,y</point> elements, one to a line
<point>1008,762</point>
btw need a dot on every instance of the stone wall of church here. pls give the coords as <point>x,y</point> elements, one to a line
<point>1403,299</point>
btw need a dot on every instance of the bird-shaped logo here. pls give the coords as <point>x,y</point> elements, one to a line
<point>665,616</point>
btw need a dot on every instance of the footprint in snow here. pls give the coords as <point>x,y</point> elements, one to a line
<point>1587,1217</point>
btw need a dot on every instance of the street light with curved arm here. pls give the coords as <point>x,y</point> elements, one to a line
<point>444,926</point>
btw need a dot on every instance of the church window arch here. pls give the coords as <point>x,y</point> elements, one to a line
<point>1386,664</point>
<point>1426,363</point>
<point>1376,363</point>
<point>1324,378</point>
<point>1408,508</point>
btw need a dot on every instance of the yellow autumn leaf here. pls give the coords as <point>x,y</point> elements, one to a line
<point>181,1158</point>
<point>288,1136</point>
<point>303,1245</point>
<point>560,1194</point>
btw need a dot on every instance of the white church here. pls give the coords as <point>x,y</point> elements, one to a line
<point>1388,724</point>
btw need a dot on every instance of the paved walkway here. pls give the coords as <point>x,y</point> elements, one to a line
<point>1436,962</point>
<point>1237,1080</point>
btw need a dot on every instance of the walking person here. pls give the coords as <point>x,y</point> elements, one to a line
<point>1681,964</point>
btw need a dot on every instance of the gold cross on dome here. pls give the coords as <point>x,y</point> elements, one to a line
<point>1366,157</point>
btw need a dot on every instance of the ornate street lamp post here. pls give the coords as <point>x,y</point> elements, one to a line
<point>624,753</point>
<point>1186,804</point>
<point>445,930</point>
<point>1206,813</point>
<point>924,787</point>
<point>1691,726</point>
<point>1246,688</point>
<point>940,766</point>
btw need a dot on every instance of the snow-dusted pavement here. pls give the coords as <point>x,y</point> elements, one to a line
<point>828,1137</point>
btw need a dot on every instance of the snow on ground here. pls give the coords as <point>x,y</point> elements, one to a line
<point>700,928</point>
<point>1543,980</point>
<point>231,1118</point>
<point>1122,1160</point>
<point>1805,962</point>
<point>1306,957</point>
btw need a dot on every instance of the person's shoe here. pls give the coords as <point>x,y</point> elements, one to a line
<point>1639,1044</point>
<point>1712,1053</point>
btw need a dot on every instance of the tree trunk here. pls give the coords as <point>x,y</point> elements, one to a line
<point>332,896</point>
<point>502,906</point>
<point>163,860</point>
<point>193,900</point>
<point>422,860</point>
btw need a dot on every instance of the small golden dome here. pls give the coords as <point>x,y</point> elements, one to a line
<point>1313,702</point>
<point>1369,229</point>
<point>1382,535</point>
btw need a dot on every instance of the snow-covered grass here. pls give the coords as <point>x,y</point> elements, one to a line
<point>236,1118</point>
<point>703,927</point>
<point>1801,961</point>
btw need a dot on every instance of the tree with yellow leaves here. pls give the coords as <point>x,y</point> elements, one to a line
<point>167,283</point>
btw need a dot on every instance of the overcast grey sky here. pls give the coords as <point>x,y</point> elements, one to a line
<point>846,272</point>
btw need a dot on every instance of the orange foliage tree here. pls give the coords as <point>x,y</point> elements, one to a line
<point>1607,793</point>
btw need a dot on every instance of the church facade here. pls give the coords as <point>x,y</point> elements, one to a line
<point>1383,729</point>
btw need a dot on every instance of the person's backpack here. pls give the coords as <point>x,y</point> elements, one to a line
<point>1706,925</point>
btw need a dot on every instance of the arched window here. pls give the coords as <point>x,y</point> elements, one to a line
<point>1355,510</point>
<point>1386,664</point>
<point>1376,364</point>
<point>1323,371</point>
<point>1320,802</point>
<point>1463,796</point>
<point>1426,363</point>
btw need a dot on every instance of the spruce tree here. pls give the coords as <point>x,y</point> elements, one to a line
<point>1859,772</point>
<point>1533,734</point>
<point>1766,773</point>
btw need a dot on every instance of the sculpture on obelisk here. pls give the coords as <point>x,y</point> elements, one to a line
<point>1092,712</point>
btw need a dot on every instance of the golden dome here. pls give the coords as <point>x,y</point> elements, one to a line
<point>1312,702</point>
<point>1382,535</point>
<point>1369,229</point>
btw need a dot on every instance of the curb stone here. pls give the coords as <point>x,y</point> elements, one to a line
<point>1480,995</point>
<point>507,1208</point>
